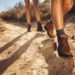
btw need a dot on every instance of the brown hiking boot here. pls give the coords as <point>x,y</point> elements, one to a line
<point>28,28</point>
<point>49,27</point>
<point>39,27</point>
<point>63,46</point>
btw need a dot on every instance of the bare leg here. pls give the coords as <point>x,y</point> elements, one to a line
<point>37,14</point>
<point>67,5</point>
<point>57,16</point>
<point>27,7</point>
<point>64,7</point>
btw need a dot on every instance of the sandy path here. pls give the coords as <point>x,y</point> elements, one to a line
<point>32,53</point>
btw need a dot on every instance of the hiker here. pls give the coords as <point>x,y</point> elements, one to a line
<point>59,8</point>
<point>37,14</point>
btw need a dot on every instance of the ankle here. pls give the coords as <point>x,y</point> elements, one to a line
<point>28,27</point>
<point>60,32</point>
<point>39,23</point>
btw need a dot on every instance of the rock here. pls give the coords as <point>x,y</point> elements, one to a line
<point>73,37</point>
<point>48,49</point>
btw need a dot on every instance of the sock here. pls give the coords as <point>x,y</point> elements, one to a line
<point>28,27</point>
<point>39,26</point>
<point>39,23</point>
<point>50,21</point>
<point>60,32</point>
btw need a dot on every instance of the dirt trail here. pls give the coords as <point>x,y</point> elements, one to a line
<point>33,53</point>
<point>7,62</point>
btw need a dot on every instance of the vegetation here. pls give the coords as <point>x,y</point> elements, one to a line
<point>18,12</point>
<point>13,13</point>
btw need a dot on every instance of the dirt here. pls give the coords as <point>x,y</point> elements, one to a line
<point>33,53</point>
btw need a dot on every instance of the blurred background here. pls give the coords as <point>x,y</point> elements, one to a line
<point>14,10</point>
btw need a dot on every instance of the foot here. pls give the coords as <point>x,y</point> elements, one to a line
<point>39,27</point>
<point>63,46</point>
<point>49,27</point>
<point>28,28</point>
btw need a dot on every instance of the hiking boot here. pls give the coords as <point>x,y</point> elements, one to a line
<point>39,27</point>
<point>28,28</point>
<point>49,28</point>
<point>63,46</point>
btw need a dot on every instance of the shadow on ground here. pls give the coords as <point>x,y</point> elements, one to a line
<point>4,64</point>
<point>57,65</point>
<point>10,43</point>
